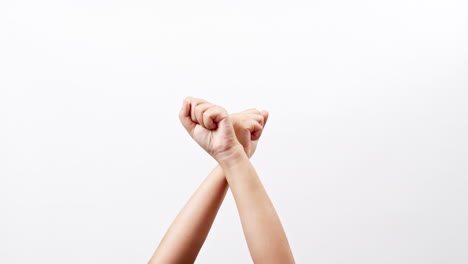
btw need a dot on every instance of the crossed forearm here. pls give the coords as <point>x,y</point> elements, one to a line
<point>188,231</point>
<point>263,231</point>
<point>231,141</point>
<point>260,222</point>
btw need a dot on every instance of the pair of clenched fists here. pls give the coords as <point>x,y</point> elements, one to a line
<point>219,133</point>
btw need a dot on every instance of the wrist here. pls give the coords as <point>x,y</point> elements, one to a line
<point>231,156</point>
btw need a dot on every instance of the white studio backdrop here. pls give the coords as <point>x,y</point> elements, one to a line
<point>365,155</point>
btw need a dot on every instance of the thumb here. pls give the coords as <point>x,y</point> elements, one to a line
<point>225,126</point>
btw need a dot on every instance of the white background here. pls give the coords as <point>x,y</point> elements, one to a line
<point>365,155</point>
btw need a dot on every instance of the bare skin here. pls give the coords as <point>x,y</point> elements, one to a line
<point>188,231</point>
<point>231,140</point>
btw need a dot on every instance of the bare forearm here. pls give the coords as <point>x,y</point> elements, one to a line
<point>265,236</point>
<point>188,232</point>
<point>219,134</point>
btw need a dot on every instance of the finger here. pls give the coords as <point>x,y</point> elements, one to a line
<point>195,103</point>
<point>255,130</point>
<point>252,110</point>
<point>184,116</point>
<point>258,117</point>
<point>199,110</point>
<point>207,121</point>
<point>216,114</point>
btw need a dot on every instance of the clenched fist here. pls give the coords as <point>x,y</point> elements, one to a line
<point>248,126</point>
<point>210,126</point>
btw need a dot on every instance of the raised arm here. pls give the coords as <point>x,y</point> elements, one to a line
<point>187,233</point>
<point>263,231</point>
